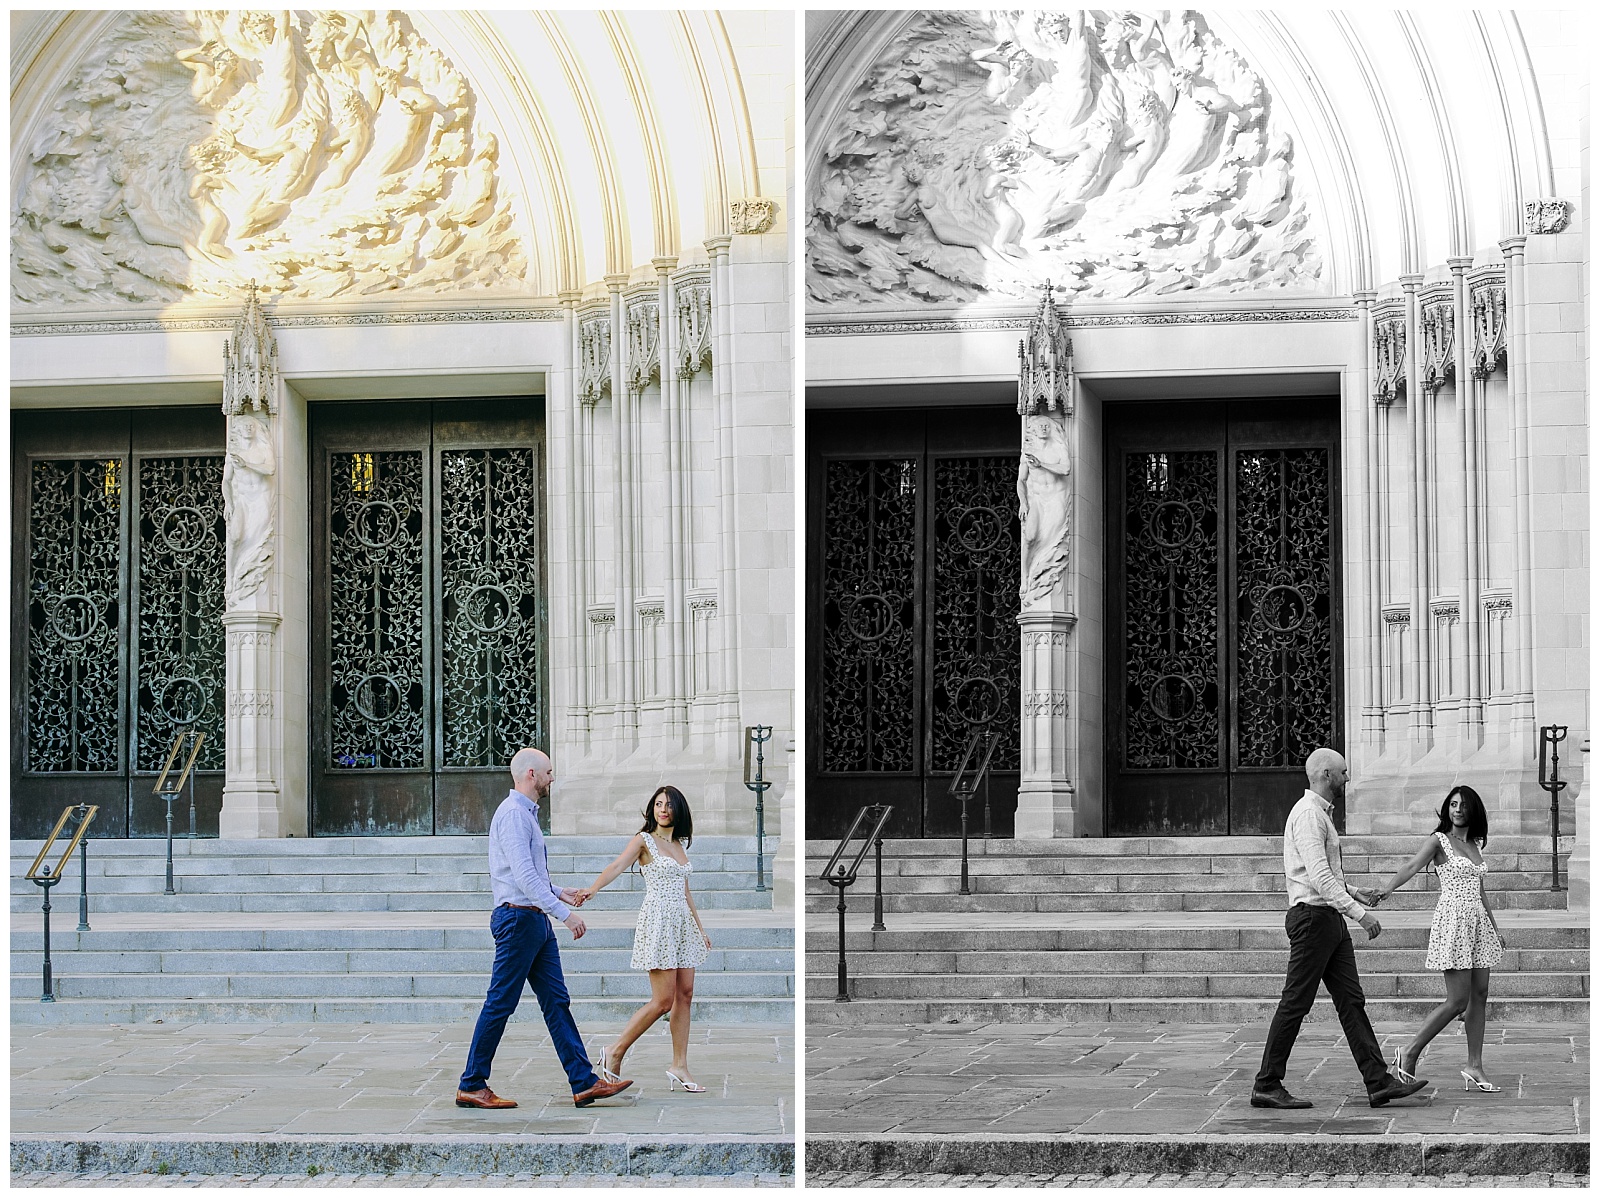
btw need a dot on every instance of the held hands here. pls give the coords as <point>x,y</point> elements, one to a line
<point>574,896</point>
<point>1367,898</point>
<point>576,925</point>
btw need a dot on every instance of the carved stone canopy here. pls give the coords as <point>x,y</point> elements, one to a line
<point>250,362</point>
<point>1438,342</point>
<point>694,327</point>
<point>1044,370</point>
<point>1488,328</point>
<point>594,358</point>
<point>1389,339</point>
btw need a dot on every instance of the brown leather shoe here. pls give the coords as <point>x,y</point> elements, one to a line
<point>600,1089</point>
<point>484,1099</point>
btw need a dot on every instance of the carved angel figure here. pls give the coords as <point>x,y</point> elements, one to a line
<point>1044,492</point>
<point>249,497</point>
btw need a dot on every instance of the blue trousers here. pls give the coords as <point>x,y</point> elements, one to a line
<point>525,951</point>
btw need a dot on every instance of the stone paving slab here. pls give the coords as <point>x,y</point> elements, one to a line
<point>1062,1098</point>
<point>369,1081</point>
<point>1208,1180</point>
<point>324,1180</point>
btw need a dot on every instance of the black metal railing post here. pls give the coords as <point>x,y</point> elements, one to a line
<point>83,810</point>
<point>839,874</point>
<point>756,780</point>
<point>877,894</point>
<point>1550,738</point>
<point>46,881</point>
<point>170,792</point>
<point>170,888</point>
<point>964,788</point>
<point>43,876</point>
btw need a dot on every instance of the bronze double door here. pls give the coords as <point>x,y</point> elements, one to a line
<point>117,570</point>
<point>1223,652</point>
<point>912,641</point>
<point>428,612</point>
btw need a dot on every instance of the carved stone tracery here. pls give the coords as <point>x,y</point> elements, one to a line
<point>1389,338</point>
<point>326,153</point>
<point>694,327</point>
<point>1438,342</point>
<point>1488,328</point>
<point>594,358</point>
<point>644,343</point>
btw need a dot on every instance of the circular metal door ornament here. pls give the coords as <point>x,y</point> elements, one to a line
<point>1172,524</point>
<point>377,523</point>
<point>183,529</point>
<point>977,700</point>
<point>378,698</point>
<point>1283,608</point>
<point>1173,697</point>
<point>183,700</point>
<point>73,618</point>
<point>488,608</point>
<point>868,618</point>
<point>979,529</point>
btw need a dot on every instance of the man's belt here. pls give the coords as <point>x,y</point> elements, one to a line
<point>522,907</point>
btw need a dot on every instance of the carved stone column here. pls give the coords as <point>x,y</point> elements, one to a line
<point>251,799</point>
<point>1422,718</point>
<point>1047,795</point>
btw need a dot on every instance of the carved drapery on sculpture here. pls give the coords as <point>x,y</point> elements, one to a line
<point>1132,154</point>
<point>1438,342</point>
<point>594,358</point>
<point>1389,339</point>
<point>694,328</point>
<point>644,343</point>
<point>249,473</point>
<point>324,154</point>
<point>1044,471</point>
<point>1488,328</point>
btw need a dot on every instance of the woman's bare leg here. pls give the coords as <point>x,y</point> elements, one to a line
<point>1458,991</point>
<point>1477,1014</point>
<point>682,1000</point>
<point>659,1004</point>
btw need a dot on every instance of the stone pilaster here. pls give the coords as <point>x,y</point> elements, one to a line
<point>1047,795</point>
<point>251,799</point>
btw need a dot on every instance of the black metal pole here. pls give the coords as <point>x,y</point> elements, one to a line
<point>966,888</point>
<point>170,888</point>
<point>192,832</point>
<point>877,902</point>
<point>83,872</point>
<point>988,827</point>
<point>46,882</point>
<point>844,977</point>
<point>1555,810</point>
<point>761,794</point>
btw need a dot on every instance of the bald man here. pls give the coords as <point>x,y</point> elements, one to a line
<point>525,943</point>
<point>1320,949</point>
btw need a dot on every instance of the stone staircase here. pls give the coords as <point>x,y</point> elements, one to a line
<point>1154,930</point>
<point>350,930</point>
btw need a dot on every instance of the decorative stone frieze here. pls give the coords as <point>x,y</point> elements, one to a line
<point>752,215</point>
<point>1389,339</point>
<point>1545,216</point>
<point>644,342</point>
<point>1397,617</point>
<point>1049,704</point>
<point>323,153</point>
<point>603,615</point>
<point>244,704</point>
<point>1488,327</point>
<point>594,358</point>
<point>1438,357</point>
<point>694,327</point>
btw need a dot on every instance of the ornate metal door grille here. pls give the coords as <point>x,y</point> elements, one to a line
<point>915,567</point>
<point>118,567</point>
<point>1223,670</point>
<point>430,554</point>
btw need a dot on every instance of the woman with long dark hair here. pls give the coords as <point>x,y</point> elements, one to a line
<point>669,941</point>
<point>1464,941</point>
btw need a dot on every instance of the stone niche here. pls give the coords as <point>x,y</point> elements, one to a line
<point>321,154</point>
<point>1121,155</point>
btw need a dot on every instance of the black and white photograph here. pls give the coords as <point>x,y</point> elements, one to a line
<point>1196,614</point>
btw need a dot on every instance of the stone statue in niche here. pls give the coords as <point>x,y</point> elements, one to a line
<point>249,496</point>
<point>334,153</point>
<point>1044,491</point>
<point>1132,154</point>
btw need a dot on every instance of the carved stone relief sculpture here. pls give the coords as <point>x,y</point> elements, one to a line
<point>1488,328</point>
<point>1546,216</point>
<point>1438,342</point>
<point>1044,492</point>
<point>1131,154</point>
<point>644,343</point>
<point>594,358</point>
<point>324,154</point>
<point>249,482</point>
<point>753,215</point>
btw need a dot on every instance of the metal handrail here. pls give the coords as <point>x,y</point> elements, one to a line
<point>963,787</point>
<point>840,875</point>
<point>41,875</point>
<point>1550,738</point>
<point>755,780</point>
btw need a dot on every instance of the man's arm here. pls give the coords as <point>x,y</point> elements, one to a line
<point>528,867</point>
<point>1307,834</point>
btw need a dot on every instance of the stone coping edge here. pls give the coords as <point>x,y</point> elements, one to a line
<point>1415,1154</point>
<point>600,1155</point>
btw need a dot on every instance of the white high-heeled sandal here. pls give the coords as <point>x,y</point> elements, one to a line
<point>604,1068</point>
<point>1486,1087</point>
<point>674,1081</point>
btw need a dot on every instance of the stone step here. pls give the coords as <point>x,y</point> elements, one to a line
<point>824,1011</point>
<point>314,883</point>
<point>1163,961</point>
<point>65,906</point>
<point>27,936</point>
<point>823,936</point>
<point>1003,882</point>
<point>99,1012</point>
<point>333,963</point>
<point>1231,900</point>
<point>1035,866</point>
<point>1018,986</point>
<point>1171,846</point>
<point>474,847</point>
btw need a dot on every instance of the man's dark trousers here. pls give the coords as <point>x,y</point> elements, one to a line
<point>525,951</point>
<point>1320,951</point>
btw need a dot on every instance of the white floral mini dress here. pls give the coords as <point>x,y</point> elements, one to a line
<point>1462,936</point>
<point>666,936</point>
